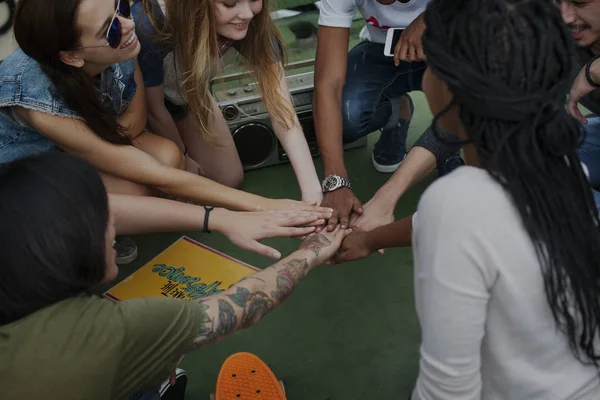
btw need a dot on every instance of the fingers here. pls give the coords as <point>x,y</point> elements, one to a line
<point>574,111</point>
<point>292,213</point>
<point>298,220</point>
<point>323,211</point>
<point>357,207</point>
<point>294,232</point>
<point>344,232</point>
<point>264,250</point>
<point>397,50</point>
<point>420,52</point>
<point>344,220</point>
<point>318,223</point>
<point>403,48</point>
<point>333,221</point>
<point>354,220</point>
<point>412,52</point>
<point>380,251</point>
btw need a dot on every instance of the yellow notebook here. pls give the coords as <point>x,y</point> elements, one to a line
<point>185,270</point>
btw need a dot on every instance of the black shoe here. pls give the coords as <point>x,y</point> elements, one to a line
<point>176,392</point>
<point>126,250</point>
<point>390,149</point>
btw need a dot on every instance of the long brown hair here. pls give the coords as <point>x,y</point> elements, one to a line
<point>192,30</point>
<point>44,28</point>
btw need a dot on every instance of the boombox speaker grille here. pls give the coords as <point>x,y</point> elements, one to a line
<point>255,142</point>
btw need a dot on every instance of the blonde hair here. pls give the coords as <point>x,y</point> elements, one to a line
<point>192,30</point>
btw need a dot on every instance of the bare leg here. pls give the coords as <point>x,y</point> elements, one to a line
<point>163,150</point>
<point>218,159</point>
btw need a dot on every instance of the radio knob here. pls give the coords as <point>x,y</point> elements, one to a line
<point>248,88</point>
<point>232,92</point>
<point>230,113</point>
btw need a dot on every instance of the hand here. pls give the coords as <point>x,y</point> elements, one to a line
<point>294,205</point>
<point>315,197</point>
<point>354,247</point>
<point>325,244</point>
<point>579,89</point>
<point>245,229</point>
<point>343,202</point>
<point>173,377</point>
<point>373,216</point>
<point>410,45</point>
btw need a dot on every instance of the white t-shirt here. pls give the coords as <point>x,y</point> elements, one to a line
<point>487,328</point>
<point>379,17</point>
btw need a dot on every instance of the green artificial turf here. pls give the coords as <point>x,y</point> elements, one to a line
<point>348,331</point>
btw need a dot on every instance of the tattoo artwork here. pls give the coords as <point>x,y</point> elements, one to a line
<point>208,331</point>
<point>227,318</point>
<point>248,278</point>
<point>254,305</point>
<point>315,243</point>
<point>288,277</point>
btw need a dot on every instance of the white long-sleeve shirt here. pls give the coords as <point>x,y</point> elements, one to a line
<point>487,329</point>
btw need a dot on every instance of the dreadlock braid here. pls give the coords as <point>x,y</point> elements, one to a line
<point>508,65</point>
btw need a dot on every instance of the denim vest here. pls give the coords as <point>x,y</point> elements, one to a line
<point>23,84</point>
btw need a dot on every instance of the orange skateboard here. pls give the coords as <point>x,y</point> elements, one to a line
<point>244,376</point>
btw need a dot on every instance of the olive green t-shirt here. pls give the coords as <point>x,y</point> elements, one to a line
<point>92,348</point>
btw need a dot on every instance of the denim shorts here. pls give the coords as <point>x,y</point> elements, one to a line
<point>178,112</point>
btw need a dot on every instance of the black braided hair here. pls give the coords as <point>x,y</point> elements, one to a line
<point>508,65</point>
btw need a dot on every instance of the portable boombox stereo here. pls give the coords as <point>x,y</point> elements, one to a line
<point>251,127</point>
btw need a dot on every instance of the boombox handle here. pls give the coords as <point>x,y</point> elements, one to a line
<point>241,75</point>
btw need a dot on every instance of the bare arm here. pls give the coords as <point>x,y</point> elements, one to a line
<point>361,244</point>
<point>396,234</point>
<point>418,163</point>
<point>294,143</point>
<point>134,117</point>
<point>247,302</point>
<point>132,164</point>
<point>138,214</point>
<point>330,74</point>
<point>159,119</point>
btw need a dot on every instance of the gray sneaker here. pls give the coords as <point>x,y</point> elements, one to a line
<point>126,250</point>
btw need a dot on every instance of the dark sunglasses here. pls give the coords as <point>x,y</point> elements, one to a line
<point>113,36</point>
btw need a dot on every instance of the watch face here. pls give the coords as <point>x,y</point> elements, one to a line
<point>331,183</point>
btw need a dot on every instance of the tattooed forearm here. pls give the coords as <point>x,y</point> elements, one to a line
<point>248,301</point>
<point>250,277</point>
<point>315,243</point>
<point>254,305</point>
<point>289,276</point>
<point>211,330</point>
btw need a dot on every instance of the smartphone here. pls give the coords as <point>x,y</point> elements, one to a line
<point>393,35</point>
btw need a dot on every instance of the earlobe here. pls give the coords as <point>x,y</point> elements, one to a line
<point>71,58</point>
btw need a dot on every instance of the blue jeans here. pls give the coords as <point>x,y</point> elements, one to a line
<point>589,154</point>
<point>372,80</point>
<point>145,395</point>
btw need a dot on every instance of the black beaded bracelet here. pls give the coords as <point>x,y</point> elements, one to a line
<point>587,72</point>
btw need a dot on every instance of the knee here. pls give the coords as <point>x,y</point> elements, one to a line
<point>234,179</point>
<point>354,124</point>
<point>169,154</point>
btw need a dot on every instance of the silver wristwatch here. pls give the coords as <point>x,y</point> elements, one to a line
<point>333,182</point>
